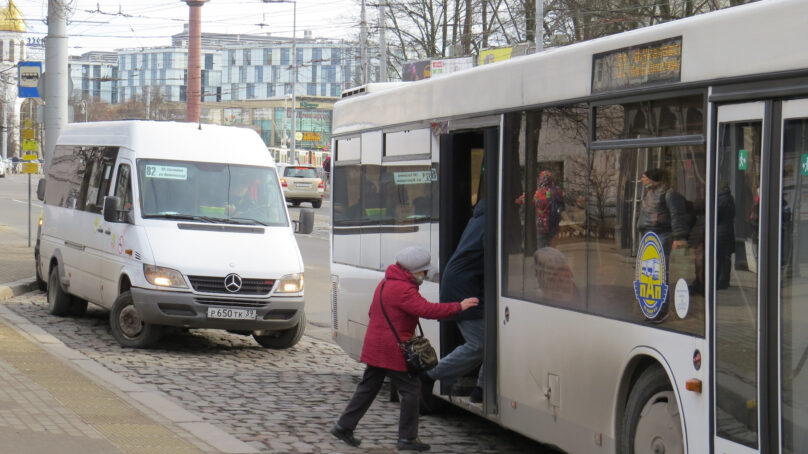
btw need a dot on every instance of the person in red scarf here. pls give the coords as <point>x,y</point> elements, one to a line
<point>382,354</point>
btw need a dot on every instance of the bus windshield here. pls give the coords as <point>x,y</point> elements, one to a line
<point>210,192</point>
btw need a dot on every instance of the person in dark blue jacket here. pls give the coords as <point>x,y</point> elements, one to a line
<point>463,278</point>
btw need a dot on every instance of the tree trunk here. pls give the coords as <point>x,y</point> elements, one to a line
<point>467,29</point>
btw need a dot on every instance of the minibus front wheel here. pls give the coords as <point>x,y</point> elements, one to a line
<point>284,338</point>
<point>127,326</point>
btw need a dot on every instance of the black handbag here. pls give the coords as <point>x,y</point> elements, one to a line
<point>418,352</point>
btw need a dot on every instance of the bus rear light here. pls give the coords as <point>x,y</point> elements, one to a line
<point>694,384</point>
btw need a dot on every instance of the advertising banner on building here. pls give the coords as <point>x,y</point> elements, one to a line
<point>451,65</point>
<point>418,70</point>
<point>494,55</point>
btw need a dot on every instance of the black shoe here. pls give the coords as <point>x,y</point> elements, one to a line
<point>476,396</point>
<point>412,444</point>
<point>345,435</point>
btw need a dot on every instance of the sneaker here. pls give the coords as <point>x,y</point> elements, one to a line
<point>345,435</point>
<point>412,444</point>
<point>476,396</point>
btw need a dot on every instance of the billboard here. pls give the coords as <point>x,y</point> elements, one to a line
<point>418,70</point>
<point>494,55</point>
<point>451,65</point>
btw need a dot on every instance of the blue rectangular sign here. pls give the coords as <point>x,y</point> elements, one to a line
<point>28,75</point>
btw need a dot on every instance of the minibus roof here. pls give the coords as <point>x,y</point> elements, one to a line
<point>173,140</point>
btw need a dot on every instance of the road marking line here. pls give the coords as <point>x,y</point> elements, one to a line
<point>26,203</point>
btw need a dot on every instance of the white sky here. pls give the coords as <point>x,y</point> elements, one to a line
<point>152,22</point>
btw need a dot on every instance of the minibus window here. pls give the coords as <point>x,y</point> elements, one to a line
<point>210,192</point>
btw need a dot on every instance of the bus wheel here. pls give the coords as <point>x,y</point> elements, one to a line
<point>651,422</point>
<point>128,328</point>
<point>283,338</point>
<point>58,299</point>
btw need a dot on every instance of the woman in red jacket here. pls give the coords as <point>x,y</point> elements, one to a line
<point>404,305</point>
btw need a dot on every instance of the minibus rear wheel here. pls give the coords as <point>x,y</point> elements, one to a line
<point>284,338</point>
<point>651,422</point>
<point>58,299</point>
<point>127,326</point>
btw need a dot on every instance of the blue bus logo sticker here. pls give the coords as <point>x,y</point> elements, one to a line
<point>650,286</point>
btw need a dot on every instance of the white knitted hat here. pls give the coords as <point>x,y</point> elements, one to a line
<point>414,259</point>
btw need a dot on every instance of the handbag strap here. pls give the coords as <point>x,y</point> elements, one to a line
<point>400,344</point>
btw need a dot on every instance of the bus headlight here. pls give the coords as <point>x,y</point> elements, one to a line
<point>291,283</point>
<point>163,277</point>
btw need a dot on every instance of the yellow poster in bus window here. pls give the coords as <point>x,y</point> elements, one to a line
<point>495,55</point>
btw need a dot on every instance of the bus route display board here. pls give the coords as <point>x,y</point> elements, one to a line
<point>645,65</point>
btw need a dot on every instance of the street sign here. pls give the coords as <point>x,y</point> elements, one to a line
<point>27,134</point>
<point>29,157</point>
<point>28,75</point>
<point>30,167</point>
<point>742,159</point>
<point>30,145</point>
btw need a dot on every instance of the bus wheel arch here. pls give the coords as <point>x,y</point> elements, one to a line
<point>648,409</point>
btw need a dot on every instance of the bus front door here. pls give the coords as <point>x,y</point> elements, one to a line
<point>760,278</point>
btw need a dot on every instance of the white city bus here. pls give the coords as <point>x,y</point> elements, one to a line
<point>604,332</point>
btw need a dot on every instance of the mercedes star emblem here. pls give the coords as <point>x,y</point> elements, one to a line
<point>232,282</point>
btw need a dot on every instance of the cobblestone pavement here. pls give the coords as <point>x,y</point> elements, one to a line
<point>276,401</point>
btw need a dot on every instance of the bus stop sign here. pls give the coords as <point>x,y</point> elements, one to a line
<point>29,73</point>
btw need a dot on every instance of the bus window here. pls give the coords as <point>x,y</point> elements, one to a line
<point>647,234</point>
<point>544,206</point>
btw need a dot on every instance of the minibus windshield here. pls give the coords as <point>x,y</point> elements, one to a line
<point>210,192</point>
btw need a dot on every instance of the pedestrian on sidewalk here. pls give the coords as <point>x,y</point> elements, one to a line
<point>398,291</point>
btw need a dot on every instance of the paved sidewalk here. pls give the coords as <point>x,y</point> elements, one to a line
<point>55,399</point>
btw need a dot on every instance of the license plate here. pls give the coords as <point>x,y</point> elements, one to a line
<point>303,185</point>
<point>231,314</point>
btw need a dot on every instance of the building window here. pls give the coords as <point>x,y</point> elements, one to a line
<point>247,57</point>
<point>242,74</point>
<point>250,91</point>
<point>336,56</point>
<point>259,73</point>
<point>11,50</point>
<point>133,61</point>
<point>166,60</point>
<point>335,90</point>
<point>267,56</point>
<point>270,90</point>
<point>316,55</point>
<point>234,92</point>
<point>285,57</point>
<point>183,92</point>
<point>311,90</point>
<point>208,61</point>
<point>232,57</point>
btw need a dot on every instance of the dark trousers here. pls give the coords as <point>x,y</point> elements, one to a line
<point>408,386</point>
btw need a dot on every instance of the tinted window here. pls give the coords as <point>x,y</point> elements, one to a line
<point>545,206</point>
<point>99,177</point>
<point>123,186</point>
<point>661,118</point>
<point>65,175</point>
<point>300,172</point>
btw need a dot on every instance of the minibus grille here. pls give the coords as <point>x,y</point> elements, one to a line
<point>253,304</point>
<point>207,284</point>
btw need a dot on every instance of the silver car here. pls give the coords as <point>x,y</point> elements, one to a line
<point>301,183</point>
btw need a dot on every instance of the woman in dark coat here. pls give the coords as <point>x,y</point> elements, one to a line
<point>381,352</point>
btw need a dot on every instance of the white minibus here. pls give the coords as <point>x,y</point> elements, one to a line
<point>171,224</point>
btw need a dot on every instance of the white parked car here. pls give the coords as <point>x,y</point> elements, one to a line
<point>2,168</point>
<point>171,224</point>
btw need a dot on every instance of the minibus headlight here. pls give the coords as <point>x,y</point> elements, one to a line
<point>163,277</point>
<point>291,283</point>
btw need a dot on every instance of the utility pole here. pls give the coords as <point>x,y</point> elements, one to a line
<point>194,78</point>
<point>293,142</point>
<point>56,78</point>
<point>539,25</point>
<point>292,153</point>
<point>382,44</point>
<point>363,47</point>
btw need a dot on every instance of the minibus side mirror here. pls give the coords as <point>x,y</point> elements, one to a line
<point>306,223</point>
<point>40,190</point>
<point>112,210</point>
